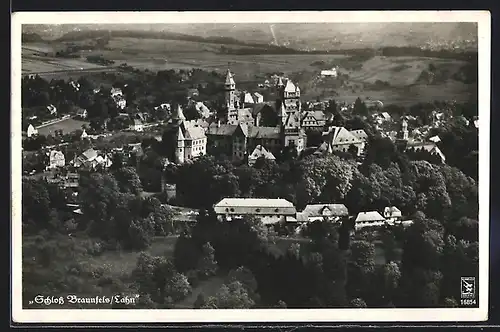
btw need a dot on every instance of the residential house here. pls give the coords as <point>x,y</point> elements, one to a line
<point>392,213</point>
<point>82,113</point>
<point>137,125</point>
<point>103,160</point>
<point>191,93</point>
<point>116,92</point>
<point>247,98</point>
<point>52,109</point>
<point>328,212</point>
<point>86,158</point>
<point>75,85</point>
<point>314,120</point>
<point>258,98</point>
<point>259,152</point>
<point>329,73</point>
<point>430,147</point>
<point>270,211</point>
<point>435,139</point>
<point>84,135</point>
<point>370,218</point>
<point>164,106</point>
<point>340,139</point>
<point>202,109</point>
<point>31,131</point>
<point>56,159</point>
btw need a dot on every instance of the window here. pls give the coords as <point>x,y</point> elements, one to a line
<point>257,210</point>
<point>276,210</point>
<point>232,210</point>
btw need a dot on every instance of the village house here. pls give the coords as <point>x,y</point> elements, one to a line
<point>136,125</point>
<point>430,147</point>
<point>340,139</point>
<point>82,113</point>
<point>330,72</point>
<point>86,158</point>
<point>52,110</point>
<point>258,98</point>
<point>392,214</point>
<point>31,131</point>
<point>259,152</point>
<point>323,212</point>
<point>56,159</point>
<point>84,135</point>
<point>370,218</point>
<point>314,120</point>
<point>269,211</point>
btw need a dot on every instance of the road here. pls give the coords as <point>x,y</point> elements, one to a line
<point>74,71</point>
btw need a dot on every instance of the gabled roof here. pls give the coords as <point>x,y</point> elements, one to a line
<point>360,134</point>
<point>260,151</point>
<point>264,132</point>
<point>192,130</point>
<point>369,216</point>
<point>90,154</point>
<point>290,87</point>
<point>340,135</point>
<point>392,211</point>
<point>258,107</point>
<point>255,206</point>
<point>318,210</point>
<point>222,130</point>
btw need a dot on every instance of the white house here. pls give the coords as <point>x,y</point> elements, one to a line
<point>370,218</point>
<point>32,131</point>
<point>270,211</point>
<point>56,159</point>
<point>259,152</point>
<point>392,213</point>
<point>258,98</point>
<point>137,125</point>
<point>329,212</point>
<point>329,73</point>
<point>52,109</point>
<point>82,113</point>
<point>84,135</point>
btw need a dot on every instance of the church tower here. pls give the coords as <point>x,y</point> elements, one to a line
<point>404,130</point>
<point>289,111</point>
<point>231,100</point>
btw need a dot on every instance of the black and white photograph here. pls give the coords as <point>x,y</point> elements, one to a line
<point>264,162</point>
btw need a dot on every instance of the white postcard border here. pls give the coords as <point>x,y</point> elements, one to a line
<point>20,315</point>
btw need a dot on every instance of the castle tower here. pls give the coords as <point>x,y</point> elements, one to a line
<point>230,98</point>
<point>179,151</point>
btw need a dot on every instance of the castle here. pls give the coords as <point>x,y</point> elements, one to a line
<point>241,132</point>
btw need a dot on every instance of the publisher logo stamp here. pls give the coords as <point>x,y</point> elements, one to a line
<point>468,287</point>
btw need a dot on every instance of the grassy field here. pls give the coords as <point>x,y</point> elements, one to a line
<point>67,126</point>
<point>400,73</point>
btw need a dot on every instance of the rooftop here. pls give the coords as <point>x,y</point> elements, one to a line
<point>369,216</point>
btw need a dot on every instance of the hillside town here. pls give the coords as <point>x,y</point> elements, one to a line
<point>234,174</point>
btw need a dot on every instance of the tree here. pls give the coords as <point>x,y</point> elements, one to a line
<point>325,179</point>
<point>232,296</point>
<point>200,301</point>
<point>361,268</point>
<point>129,180</point>
<point>357,303</point>
<point>360,107</point>
<point>207,265</point>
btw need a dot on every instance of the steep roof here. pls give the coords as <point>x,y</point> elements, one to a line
<point>340,135</point>
<point>192,130</point>
<point>290,87</point>
<point>318,210</point>
<point>178,114</point>
<point>258,107</point>
<point>90,154</point>
<point>392,211</point>
<point>229,78</point>
<point>360,134</point>
<point>369,216</point>
<point>222,130</point>
<point>260,151</point>
<point>264,132</point>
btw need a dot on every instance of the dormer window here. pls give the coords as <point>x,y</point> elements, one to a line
<point>276,210</point>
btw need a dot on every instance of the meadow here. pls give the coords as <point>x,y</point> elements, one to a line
<point>67,126</point>
<point>399,73</point>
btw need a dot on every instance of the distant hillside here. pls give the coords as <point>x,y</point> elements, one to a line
<point>31,37</point>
